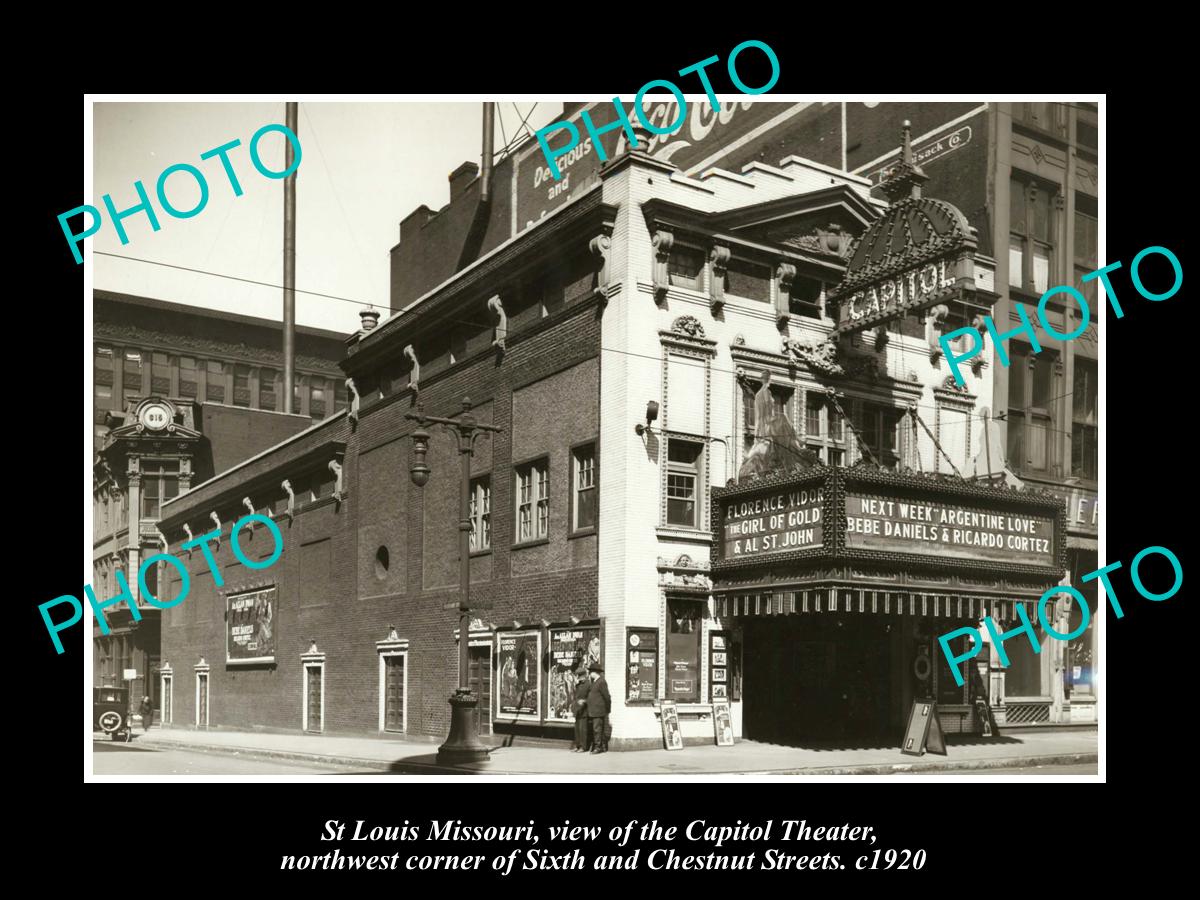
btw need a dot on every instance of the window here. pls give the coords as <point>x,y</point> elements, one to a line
<point>583,496</point>
<point>481,514</point>
<point>878,427</point>
<point>683,477</point>
<point>1032,234</point>
<point>1031,409</point>
<point>806,298</point>
<point>266,388</point>
<point>160,374</point>
<point>132,383</point>
<point>684,266</point>
<point>533,501</point>
<point>1048,117</point>
<point>823,431</point>
<point>103,377</point>
<point>1087,131</point>
<point>1086,242</point>
<point>216,381</point>
<point>316,402</point>
<point>187,376</point>
<point>241,385</point>
<point>160,481</point>
<point>781,401</point>
<point>750,280</point>
<point>340,395</point>
<point>1085,431</point>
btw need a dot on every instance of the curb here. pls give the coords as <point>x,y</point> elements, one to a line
<point>414,768</point>
<point>1016,762</point>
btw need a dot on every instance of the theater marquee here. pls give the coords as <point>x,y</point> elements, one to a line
<point>772,528</point>
<point>903,525</point>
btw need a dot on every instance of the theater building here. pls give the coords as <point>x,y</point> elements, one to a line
<point>732,465</point>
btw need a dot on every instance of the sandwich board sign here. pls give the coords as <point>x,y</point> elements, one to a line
<point>924,732</point>
<point>672,736</point>
<point>722,724</point>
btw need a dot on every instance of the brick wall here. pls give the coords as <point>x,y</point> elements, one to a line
<point>332,587</point>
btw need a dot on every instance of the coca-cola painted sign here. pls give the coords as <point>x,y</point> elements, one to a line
<point>704,136</point>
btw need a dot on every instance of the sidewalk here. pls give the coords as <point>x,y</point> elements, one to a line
<point>745,757</point>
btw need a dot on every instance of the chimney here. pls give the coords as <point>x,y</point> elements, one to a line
<point>461,177</point>
<point>370,318</point>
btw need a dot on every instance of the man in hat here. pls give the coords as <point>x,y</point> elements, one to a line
<point>599,704</point>
<point>579,702</point>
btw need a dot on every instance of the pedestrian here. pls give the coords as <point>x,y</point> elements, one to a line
<point>582,688</point>
<point>147,711</point>
<point>599,704</point>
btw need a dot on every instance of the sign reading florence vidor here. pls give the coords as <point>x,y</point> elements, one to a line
<point>923,527</point>
<point>774,523</point>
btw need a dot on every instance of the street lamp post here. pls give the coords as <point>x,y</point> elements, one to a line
<point>463,744</point>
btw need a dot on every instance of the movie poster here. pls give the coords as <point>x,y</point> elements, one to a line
<point>519,678</point>
<point>570,647</point>
<point>250,624</point>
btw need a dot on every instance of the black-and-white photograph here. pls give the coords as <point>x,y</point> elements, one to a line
<point>554,439</point>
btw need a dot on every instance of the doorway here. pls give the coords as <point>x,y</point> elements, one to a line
<point>395,680</point>
<point>480,681</point>
<point>201,699</point>
<point>314,697</point>
<point>164,717</point>
<point>816,679</point>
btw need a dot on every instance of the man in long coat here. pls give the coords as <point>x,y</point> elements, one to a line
<point>599,705</point>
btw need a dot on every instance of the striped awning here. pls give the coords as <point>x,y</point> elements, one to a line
<point>866,600</point>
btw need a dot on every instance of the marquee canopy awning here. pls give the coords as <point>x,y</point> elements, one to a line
<point>826,600</point>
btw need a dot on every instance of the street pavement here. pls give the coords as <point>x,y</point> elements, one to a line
<point>112,758</point>
<point>1028,750</point>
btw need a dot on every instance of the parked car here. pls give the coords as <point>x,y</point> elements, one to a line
<point>110,712</point>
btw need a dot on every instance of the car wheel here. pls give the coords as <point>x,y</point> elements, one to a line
<point>111,721</point>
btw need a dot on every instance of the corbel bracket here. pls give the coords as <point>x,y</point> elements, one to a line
<point>663,241</point>
<point>352,415</point>
<point>414,373</point>
<point>497,307</point>
<point>718,263</point>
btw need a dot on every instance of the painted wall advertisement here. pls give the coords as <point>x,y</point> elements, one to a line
<point>520,675</point>
<point>787,520</point>
<point>702,139</point>
<point>570,648</point>
<point>898,525</point>
<point>250,627</point>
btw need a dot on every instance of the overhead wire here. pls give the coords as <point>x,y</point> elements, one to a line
<point>478,322</point>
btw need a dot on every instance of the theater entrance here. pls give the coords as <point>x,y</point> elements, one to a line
<point>815,679</point>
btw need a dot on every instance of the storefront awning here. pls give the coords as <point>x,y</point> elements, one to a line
<point>821,601</point>
<point>1074,542</point>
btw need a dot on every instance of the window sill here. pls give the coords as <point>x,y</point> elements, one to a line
<point>534,543</point>
<point>582,532</point>
<point>682,533</point>
<point>486,551</point>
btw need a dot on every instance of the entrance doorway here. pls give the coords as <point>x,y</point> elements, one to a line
<point>394,682</point>
<point>815,679</point>
<point>314,697</point>
<point>480,681</point>
<point>167,696</point>
<point>201,699</point>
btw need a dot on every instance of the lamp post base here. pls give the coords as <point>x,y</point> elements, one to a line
<point>463,744</point>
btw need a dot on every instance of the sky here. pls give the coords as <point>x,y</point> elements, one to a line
<point>364,167</point>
